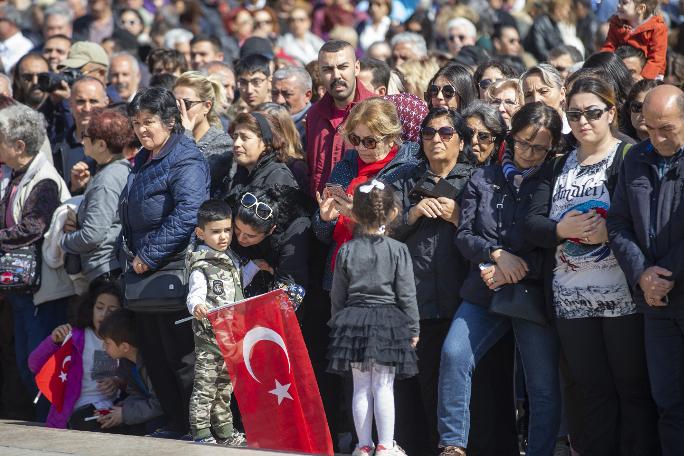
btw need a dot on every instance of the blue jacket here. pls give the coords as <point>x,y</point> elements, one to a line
<point>159,204</point>
<point>646,223</point>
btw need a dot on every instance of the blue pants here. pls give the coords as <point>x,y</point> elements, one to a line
<point>473,332</point>
<point>664,338</point>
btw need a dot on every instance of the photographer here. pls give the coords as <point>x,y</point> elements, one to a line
<point>25,77</point>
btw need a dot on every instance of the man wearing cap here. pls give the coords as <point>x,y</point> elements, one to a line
<point>13,45</point>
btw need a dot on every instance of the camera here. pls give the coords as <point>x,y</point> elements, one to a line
<point>49,82</point>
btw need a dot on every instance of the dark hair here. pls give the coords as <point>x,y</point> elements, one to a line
<point>651,5</point>
<point>490,117</point>
<point>421,17</point>
<point>215,42</point>
<point>59,36</point>
<point>641,86</point>
<point>316,80</point>
<point>499,27</point>
<point>515,62</point>
<point>213,210</point>
<point>158,101</point>
<point>253,63</point>
<point>170,60</point>
<point>457,122</point>
<point>460,77</point>
<point>614,71</point>
<point>507,70</point>
<point>334,46</point>
<point>84,314</point>
<point>165,80</point>
<point>277,143</point>
<point>565,49</point>
<point>373,210</point>
<point>113,127</point>
<point>134,11</point>
<point>16,88</point>
<point>287,204</point>
<point>539,115</point>
<point>119,326</point>
<point>380,70</point>
<point>627,51</point>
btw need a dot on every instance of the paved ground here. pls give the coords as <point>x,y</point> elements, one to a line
<point>18,438</point>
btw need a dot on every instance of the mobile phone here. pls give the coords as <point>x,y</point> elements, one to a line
<point>336,190</point>
<point>484,266</point>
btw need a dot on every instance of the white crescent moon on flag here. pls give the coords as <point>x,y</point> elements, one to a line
<point>67,358</point>
<point>256,334</point>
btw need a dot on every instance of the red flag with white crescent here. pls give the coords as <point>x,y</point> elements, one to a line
<point>52,377</point>
<point>272,377</point>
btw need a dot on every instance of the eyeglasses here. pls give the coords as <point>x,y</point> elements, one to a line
<point>446,133</point>
<point>453,38</point>
<point>589,114</point>
<point>255,82</point>
<point>506,101</point>
<point>483,137</point>
<point>190,103</point>
<point>636,106</point>
<point>369,142</point>
<point>129,22</point>
<point>447,90</point>
<point>261,210</point>
<point>485,83</point>
<point>537,149</point>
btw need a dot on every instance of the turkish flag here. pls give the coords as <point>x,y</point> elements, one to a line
<point>271,373</point>
<point>52,377</point>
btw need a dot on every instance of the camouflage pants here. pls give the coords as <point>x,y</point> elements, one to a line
<point>210,400</point>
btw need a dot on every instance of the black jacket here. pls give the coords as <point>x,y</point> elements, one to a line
<point>478,234</point>
<point>267,173</point>
<point>438,266</point>
<point>543,36</point>
<point>646,223</point>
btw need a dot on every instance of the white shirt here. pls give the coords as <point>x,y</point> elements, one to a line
<point>97,365</point>
<point>13,49</point>
<point>372,33</point>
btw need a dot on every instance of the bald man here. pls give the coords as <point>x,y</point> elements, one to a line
<point>646,230</point>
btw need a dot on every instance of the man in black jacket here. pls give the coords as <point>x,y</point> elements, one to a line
<point>646,229</point>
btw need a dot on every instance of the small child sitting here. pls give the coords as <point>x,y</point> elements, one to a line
<point>140,406</point>
<point>637,25</point>
<point>214,281</point>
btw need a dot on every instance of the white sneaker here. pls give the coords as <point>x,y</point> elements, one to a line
<point>396,450</point>
<point>363,451</point>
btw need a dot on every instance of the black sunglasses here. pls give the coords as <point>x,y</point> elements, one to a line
<point>446,133</point>
<point>190,103</point>
<point>262,210</point>
<point>448,91</point>
<point>636,107</point>
<point>369,142</point>
<point>589,114</point>
<point>485,83</point>
<point>483,137</point>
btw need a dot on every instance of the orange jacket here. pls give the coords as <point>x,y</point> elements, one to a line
<point>650,37</point>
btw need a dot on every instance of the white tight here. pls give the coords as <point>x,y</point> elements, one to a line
<point>374,391</point>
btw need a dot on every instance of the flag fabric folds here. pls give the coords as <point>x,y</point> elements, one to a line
<point>272,377</point>
<point>52,377</point>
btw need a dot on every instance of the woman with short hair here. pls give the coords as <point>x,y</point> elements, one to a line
<point>506,97</point>
<point>544,83</point>
<point>489,131</point>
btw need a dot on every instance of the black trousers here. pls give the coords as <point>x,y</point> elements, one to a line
<point>615,413</point>
<point>168,352</point>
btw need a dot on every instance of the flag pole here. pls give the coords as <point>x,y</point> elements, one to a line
<point>35,401</point>
<point>225,306</point>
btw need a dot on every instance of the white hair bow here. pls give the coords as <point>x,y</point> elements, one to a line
<point>374,184</point>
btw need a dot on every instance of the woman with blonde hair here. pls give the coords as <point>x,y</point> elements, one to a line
<point>417,74</point>
<point>506,97</point>
<point>198,98</point>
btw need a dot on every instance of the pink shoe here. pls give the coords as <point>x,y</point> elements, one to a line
<point>363,451</point>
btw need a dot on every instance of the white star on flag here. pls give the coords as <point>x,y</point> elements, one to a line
<point>63,376</point>
<point>281,391</point>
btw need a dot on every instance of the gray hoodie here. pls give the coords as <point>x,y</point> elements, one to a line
<point>217,147</point>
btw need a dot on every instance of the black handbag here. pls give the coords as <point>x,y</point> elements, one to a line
<point>517,300</point>
<point>160,291</point>
<point>20,269</point>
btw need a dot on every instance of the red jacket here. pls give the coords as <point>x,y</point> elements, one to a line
<point>650,37</point>
<point>324,143</point>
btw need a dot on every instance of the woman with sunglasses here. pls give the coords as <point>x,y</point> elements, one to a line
<point>488,130</point>
<point>636,126</point>
<point>492,71</point>
<point>491,237</point>
<point>600,331</point>
<point>452,87</point>
<point>197,96</point>
<point>272,228</point>
<point>374,130</point>
<point>260,153</point>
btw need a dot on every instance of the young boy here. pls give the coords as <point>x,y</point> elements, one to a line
<point>140,406</point>
<point>214,281</point>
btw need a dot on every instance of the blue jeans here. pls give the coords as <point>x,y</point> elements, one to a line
<point>473,332</point>
<point>664,339</point>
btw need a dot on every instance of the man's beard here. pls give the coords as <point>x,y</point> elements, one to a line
<point>34,98</point>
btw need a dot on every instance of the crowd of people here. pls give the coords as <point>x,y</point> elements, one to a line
<point>472,204</point>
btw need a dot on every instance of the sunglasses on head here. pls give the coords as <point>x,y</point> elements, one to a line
<point>448,91</point>
<point>446,133</point>
<point>262,210</point>
<point>589,114</point>
<point>369,142</point>
<point>636,107</point>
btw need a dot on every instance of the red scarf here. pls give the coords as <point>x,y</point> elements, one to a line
<point>344,228</point>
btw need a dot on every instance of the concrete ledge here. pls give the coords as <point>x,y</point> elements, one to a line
<point>20,438</point>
